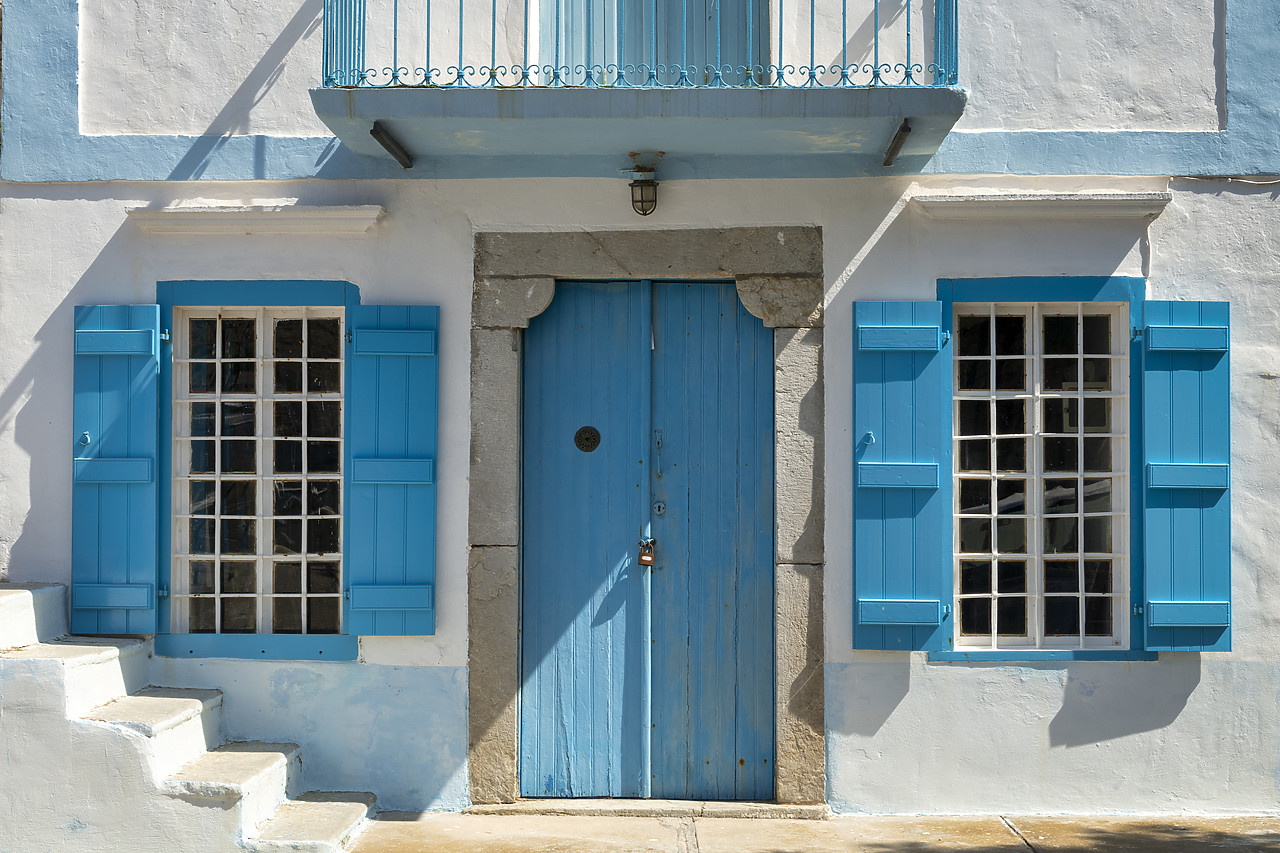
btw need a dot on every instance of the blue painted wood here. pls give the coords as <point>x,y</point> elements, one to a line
<point>1169,475</point>
<point>113,470</point>
<point>909,612</point>
<point>260,646</point>
<point>391,398</point>
<point>1187,338</point>
<point>112,596</point>
<point>584,662</point>
<point>1185,422</point>
<point>901,536</point>
<point>897,475</point>
<point>619,698</point>
<point>899,338</point>
<point>393,471</point>
<point>1187,614</point>
<point>391,597</point>
<point>114,512</point>
<point>713,581</point>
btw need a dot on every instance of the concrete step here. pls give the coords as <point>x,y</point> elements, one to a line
<point>32,613</point>
<point>316,822</point>
<point>254,777</point>
<point>96,670</point>
<point>179,724</point>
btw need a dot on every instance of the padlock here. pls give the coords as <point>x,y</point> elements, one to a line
<point>646,553</point>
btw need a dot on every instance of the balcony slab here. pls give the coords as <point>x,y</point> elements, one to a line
<point>704,133</point>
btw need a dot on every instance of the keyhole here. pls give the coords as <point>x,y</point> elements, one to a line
<point>587,439</point>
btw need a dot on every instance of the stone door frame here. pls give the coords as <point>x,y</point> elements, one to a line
<point>778,273</point>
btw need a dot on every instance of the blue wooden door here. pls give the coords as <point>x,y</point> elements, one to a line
<point>648,413</point>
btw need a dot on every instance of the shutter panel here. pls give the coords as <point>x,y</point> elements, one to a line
<point>391,454</point>
<point>1186,484</point>
<point>902,477</point>
<point>114,494</point>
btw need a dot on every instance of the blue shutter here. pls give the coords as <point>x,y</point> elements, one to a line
<point>114,513</point>
<point>392,390</point>
<point>1186,482</point>
<point>902,477</point>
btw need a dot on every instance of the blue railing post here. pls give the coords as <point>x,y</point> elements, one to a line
<point>344,42</point>
<point>946,54</point>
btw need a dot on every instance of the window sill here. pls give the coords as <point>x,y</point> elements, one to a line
<point>1040,655</point>
<point>259,646</point>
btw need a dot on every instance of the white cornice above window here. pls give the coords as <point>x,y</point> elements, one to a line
<point>238,220</point>
<point>1041,205</point>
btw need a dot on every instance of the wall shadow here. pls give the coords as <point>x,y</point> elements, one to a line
<point>1103,702</point>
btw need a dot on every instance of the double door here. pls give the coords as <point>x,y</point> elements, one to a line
<point>648,427</point>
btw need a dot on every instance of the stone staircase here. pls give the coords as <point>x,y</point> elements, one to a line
<point>89,745</point>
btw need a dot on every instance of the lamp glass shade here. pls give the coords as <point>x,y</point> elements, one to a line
<point>644,196</point>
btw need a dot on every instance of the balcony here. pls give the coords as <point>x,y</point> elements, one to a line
<point>723,88</point>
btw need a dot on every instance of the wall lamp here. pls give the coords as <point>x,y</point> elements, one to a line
<point>393,146</point>
<point>644,190</point>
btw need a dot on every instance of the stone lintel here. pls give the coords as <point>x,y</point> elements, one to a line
<point>507,302</point>
<point>783,301</point>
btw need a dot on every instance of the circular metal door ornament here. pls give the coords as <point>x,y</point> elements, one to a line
<point>587,439</point>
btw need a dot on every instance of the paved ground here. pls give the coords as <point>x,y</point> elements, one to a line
<point>540,833</point>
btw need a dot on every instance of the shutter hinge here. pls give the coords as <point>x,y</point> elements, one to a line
<point>350,337</point>
<point>163,593</point>
<point>946,610</point>
<point>165,336</point>
<point>1137,610</point>
<point>1135,333</point>
<point>346,594</point>
<point>946,338</point>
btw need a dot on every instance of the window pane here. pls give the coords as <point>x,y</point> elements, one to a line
<point>323,615</point>
<point>975,577</point>
<point>1060,335</point>
<point>203,616</point>
<point>200,531</point>
<point>204,419</point>
<point>1097,534</point>
<point>239,576</point>
<point>202,378</point>
<point>287,497</point>
<point>973,375</point>
<point>288,378</point>
<point>288,536</point>
<point>203,457</point>
<point>1011,497</point>
<point>1060,454</point>
<point>239,457</point>
<point>1012,576</point>
<point>322,338</point>
<point>1097,454</point>
<point>324,497</point>
<point>975,417</point>
<point>1061,576</point>
<point>1097,576</point>
<point>322,536</point>
<point>288,419</point>
<point>203,496</point>
<point>1097,495</point>
<point>324,419</point>
<point>288,457</point>
<point>1011,374</point>
<point>239,497</point>
<point>975,535</point>
<point>1097,414</point>
<point>323,377</point>
<point>1062,616</point>
<point>324,457</point>
<point>239,377</point>
<point>1097,617</point>
<point>1011,417</point>
<point>286,616</point>
<point>1011,616</point>
<point>1097,374</point>
<point>1097,334</point>
<point>322,577</point>
<point>201,582</point>
<point>239,616</point>
<point>975,496</point>
<point>1011,535</point>
<point>975,455</point>
<point>975,617</point>
<point>239,339</point>
<point>1011,454</point>
<point>288,339</point>
<point>1060,535</point>
<point>287,577</point>
<point>1060,374</point>
<point>239,419</point>
<point>1010,336</point>
<point>973,335</point>
<point>1060,497</point>
<point>203,334</point>
<point>1060,415</point>
<point>239,536</point>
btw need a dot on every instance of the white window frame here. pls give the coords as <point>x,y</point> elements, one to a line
<point>264,395</point>
<point>1120,432</point>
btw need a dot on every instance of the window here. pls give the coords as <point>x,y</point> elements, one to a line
<point>257,463</point>
<point>1041,471</point>
<point>1040,474</point>
<point>255,469</point>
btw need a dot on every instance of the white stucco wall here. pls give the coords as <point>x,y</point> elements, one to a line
<point>1188,732</point>
<point>244,66</point>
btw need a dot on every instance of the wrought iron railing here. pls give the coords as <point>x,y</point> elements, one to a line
<point>639,43</point>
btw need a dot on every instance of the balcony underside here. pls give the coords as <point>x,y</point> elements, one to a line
<point>705,133</point>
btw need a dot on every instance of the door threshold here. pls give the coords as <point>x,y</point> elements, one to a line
<point>654,808</point>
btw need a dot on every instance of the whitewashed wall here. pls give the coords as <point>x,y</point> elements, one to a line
<point>1190,732</point>
<point>244,66</point>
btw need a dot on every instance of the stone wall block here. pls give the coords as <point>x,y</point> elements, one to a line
<point>791,302</point>
<point>798,445</point>
<point>494,517</point>
<point>508,303</point>
<point>492,617</point>
<point>801,760</point>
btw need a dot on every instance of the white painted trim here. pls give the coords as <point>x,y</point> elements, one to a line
<point>1041,205</point>
<point>328,220</point>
